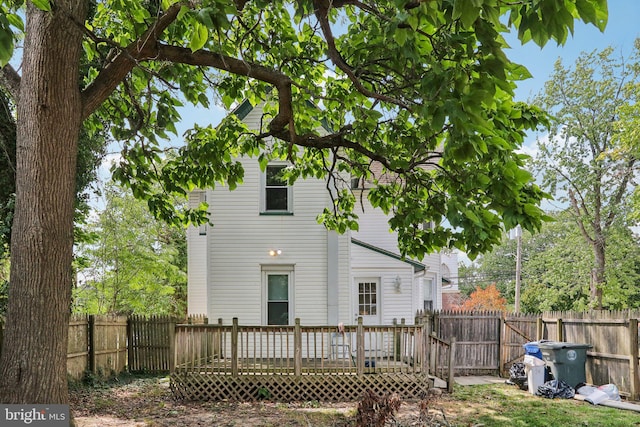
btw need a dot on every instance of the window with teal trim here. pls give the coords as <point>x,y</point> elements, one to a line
<point>276,192</point>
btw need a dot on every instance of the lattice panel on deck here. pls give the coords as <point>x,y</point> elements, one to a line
<point>197,386</point>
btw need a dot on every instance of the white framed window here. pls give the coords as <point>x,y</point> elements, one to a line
<point>368,297</point>
<point>278,294</point>
<point>357,183</point>
<point>276,194</point>
<point>427,293</point>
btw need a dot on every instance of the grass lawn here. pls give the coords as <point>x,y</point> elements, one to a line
<point>506,405</point>
<point>148,402</point>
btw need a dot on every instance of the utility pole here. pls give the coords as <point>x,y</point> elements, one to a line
<point>518,267</point>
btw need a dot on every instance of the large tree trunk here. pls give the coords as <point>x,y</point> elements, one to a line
<point>33,362</point>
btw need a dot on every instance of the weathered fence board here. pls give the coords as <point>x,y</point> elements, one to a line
<point>78,346</point>
<point>96,344</point>
<point>485,342</point>
<point>107,344</point>
<point>477,336</point>
<point>484,347</point>
<point>151,343</point>
<point>614,337</point>
<point>517,329</point>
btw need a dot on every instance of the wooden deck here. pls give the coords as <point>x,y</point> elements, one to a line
<point>309,366</point>
<point>288,363</point>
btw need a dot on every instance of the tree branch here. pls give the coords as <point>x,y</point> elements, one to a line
<point>281,81</point>
<point>576,208</point>
<point>620,192</point>
<point>322,13</point>
<point>115,72</point>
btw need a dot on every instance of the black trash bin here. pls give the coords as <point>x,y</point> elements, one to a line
<point>566,360</point>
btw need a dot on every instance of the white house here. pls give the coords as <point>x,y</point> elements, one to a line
<point>266,260</point>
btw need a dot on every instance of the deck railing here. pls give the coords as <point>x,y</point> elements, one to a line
<point>238,350</point>
<point>441,359</point>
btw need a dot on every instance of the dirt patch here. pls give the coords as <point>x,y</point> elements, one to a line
<point>149,402</point>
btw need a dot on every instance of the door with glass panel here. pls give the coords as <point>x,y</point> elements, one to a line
<point>278,299</point>
<point>367,298</point>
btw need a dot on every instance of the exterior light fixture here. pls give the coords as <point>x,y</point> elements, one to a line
<point>275,252</point>
<point>397,282</point>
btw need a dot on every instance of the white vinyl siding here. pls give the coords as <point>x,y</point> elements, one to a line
<point>241,239</point>
<point>428,292</point>
<point>228,263</point>
<point>196,263</point>
<point>396,291</point>
<point>345,310</point>
<point>374,227</point>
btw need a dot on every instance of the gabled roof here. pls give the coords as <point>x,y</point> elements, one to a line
<point>417,266</point>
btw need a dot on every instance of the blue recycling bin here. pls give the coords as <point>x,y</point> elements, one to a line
<point>533,349</point>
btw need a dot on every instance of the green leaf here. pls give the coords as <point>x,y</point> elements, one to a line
<point>520,72</point>
<point>43,5</point>
<point>400,36</point>
<point>412,20</point>
<point>6,46</point>
<point>467,11</point>
<point>199,36</point>
<point>183,11</point>
<point>15,20</point>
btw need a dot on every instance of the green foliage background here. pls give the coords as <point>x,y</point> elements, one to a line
<point>556,269</point>
<point>131,263</point>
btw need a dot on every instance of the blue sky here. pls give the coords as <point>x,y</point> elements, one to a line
<point>622,29</point>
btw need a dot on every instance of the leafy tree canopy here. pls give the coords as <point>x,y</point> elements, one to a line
<point>422,88</point>
<point>556,268</point>
<point>483,299</point>
<point>134,264</point>
<point>584,161</point>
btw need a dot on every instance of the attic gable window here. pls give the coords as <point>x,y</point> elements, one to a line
<point>357,183</point>
<point>276,194</point>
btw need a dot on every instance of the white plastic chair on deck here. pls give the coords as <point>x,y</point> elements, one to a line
<point>340,343</point>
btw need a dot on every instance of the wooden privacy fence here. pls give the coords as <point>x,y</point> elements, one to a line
<point>490,342</point>
<point>467,342</point>
<point>215,362</point>
<point>487,342</point>
<point>108,345</point>
<point>614,336</point>
<point>97,344</point>
<point>477,338</point>
<point>151,343</point>
<point>516,329</point>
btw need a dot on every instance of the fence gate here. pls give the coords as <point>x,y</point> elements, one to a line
<point>517,330</point>
<point>477,336</point>
<point>151,343</point>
